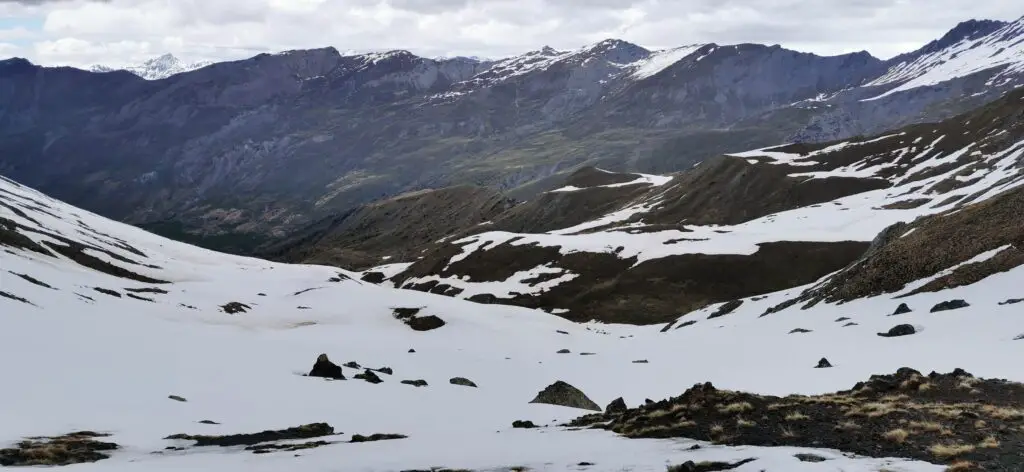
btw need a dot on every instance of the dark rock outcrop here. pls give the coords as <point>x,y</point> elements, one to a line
<point>312,430</point>
<point>903,308</point>
<point>899,330</point>
<point>563,394</point>
<point>461,381</point>
<point>75,448</point>
<point>415,383</point>
<point>950,305</point>
<point>323,367</point>
<point>617,405</point>
<point>368,376</point>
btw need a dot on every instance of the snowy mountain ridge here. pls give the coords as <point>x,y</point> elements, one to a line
<point>157,68</point>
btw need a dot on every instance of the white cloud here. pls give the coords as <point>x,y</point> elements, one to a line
<point>80,32</point>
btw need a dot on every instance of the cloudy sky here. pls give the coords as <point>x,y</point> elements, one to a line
<point>119,32</point>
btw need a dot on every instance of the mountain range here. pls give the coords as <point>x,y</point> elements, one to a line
<point>845,272</point>
<point>157,68</point>
<point>236,154</point>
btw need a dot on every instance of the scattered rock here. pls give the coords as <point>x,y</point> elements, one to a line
<point>261,294</point>
<point>563,394</point>
<point>561,332</point>
<point>686,323</point>
<point>847,325</point>
<point>461,381</point>
<point>148,290</point>
<point>799,330</point>
<point>234,307</point>
<point>74,448</point>
<point>563,351</point>
<point>617,405</point>
<point>177,398</point>
<point>584,464</point>
<point>208,422</point>
<point>708,466</point>
<point>726,308</point>
<point>1019,337</point>
<point>425,323</point>
<point>313,430</point>
<point>588,353</point>
<point>903,308</point>
<point>107,291</point>
<point>359,438</point>
<point>372,277</point>
<point>137,297</point>
<point>811,457</point>
<point>273,447</point>
<point>523,424</point>
<point>640,361</point>
<point>368,376</point>
<point>899,330</point>
<point>415,383</point>
<point>411,351</point>
<point>352,365</point>
<point>404,313</point>
<point>841,319</point>
<point>1012,301</point>
<point>950,305</point>
<point>823,364</point>
<point>385,370</point>
<point>323,367</point>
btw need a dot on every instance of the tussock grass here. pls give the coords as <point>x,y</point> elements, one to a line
<point>946,451</point>
<point>738,407</point>
<point>961,466</point>
<point>740,422</point>
<point>897,435</point>
<point>796,416</point>
<point>989,443</point>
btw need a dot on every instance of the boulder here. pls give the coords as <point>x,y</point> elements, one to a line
<point>425,323</point>
<point>617,405</point>
<point>823,364</point>
<point>369,376</point>
<point>899,330</point>
<point>950,305</point>
<point>520,424</point>
<point>563,351</point>
<point>903,308</point>
<point>461,381</point>
<point>386,370</point>
<point>415,383</point>
<point>563,394</point>
<point>326,369</point>
<point>799,331</point>
<point>177,398</point>
<point>352,365</point>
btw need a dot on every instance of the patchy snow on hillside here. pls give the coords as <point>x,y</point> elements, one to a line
<point>89,348</point>
<point>661,60</point>
<point>1002,49</point>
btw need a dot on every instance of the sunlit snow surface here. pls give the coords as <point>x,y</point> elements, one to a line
<point>109,364</point>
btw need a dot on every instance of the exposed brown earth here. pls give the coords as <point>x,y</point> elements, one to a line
<point>937,243</point>
<point>656,291</point>
<point>399,227</point>
<point>939,418</point>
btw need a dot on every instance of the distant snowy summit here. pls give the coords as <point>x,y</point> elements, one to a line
<point>157,68</point>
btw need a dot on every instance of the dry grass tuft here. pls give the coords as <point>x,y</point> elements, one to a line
<point>738,407</point>
<point>946,451</point>
<point>742,423</point>
<point>961,466</point>
<point>848,426</point>
<point>897,435</point>
<point>796,416</point>
<point>989,443</point>
<point>1002,412</point>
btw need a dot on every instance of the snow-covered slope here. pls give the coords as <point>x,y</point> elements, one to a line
<point>1002,49</point>
<point>101,322</point>
<point>157,68</point>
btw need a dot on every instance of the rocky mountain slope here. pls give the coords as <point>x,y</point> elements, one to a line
<point>253,149</point>
<point>640,248</point>
<point>155,354</point>
<point>157,68</point>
